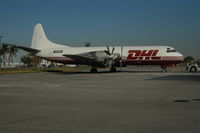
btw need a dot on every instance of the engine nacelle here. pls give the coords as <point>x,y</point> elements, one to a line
<point>104,59</point>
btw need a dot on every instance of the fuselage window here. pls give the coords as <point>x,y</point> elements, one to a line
<point>171,50</point>
<point>58,51</point>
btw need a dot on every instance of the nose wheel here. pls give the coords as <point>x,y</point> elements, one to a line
<point>164,69</point>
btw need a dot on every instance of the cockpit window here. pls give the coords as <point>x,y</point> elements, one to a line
<point>174,50</point>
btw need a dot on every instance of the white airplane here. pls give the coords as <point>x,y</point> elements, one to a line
<point>101,57</point>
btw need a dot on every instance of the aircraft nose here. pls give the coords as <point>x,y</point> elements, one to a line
<point>181,56</point>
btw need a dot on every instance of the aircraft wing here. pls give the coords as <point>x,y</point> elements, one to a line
<point>80,58</point>
<point>98,58</point>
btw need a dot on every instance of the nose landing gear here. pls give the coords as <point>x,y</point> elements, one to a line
<point>164,69</point>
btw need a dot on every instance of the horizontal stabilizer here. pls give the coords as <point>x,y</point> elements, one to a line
<point>28,49</point>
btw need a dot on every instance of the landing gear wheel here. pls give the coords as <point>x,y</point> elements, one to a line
<point>193,69</point>
<point>93,70</point>
<point>113,69</point>
<point>164,69</point>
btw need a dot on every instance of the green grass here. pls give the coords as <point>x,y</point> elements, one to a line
<point>19,71</point>
<point>30,70</point>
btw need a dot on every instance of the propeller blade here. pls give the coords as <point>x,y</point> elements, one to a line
<point>121,51</point>
<point>108,50</point>
<point>113,50</point>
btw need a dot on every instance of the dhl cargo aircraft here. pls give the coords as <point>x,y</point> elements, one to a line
<point>101,57</point>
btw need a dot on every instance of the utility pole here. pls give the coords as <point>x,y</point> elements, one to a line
<point>0,52</point>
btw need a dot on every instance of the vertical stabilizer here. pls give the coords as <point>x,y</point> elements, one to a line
<point>40,41</point>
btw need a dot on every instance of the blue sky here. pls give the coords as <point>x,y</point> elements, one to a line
<point>105,22</point>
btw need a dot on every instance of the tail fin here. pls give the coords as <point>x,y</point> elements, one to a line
<point>40,41</point>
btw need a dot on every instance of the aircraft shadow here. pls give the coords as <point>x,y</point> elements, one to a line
<point>78,72</point>
<point>178,77</point>
<point>101,72</point>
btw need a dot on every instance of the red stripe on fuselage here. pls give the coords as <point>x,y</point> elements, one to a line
<point>152,62</point>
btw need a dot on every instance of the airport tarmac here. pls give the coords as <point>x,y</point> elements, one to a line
<point>124,102</point>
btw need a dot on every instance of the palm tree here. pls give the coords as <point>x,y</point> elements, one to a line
<point>1,53</point>
<point>30,60</point>
<point>7,51</point>
<point>12,52</point>
<point>26,60</point>
<point>4,51</point>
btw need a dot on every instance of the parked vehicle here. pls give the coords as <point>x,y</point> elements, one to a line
<point>193,67</point>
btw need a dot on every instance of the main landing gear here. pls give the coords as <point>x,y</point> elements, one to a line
<point>113,69</point>
<point>93,70</point>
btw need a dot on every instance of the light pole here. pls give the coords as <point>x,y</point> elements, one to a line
<point>0,51</point>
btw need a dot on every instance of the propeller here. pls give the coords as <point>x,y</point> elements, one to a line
<point>109,52</point>
<point>111,55</point>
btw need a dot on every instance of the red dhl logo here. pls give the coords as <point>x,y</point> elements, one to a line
<point>143,55</point>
